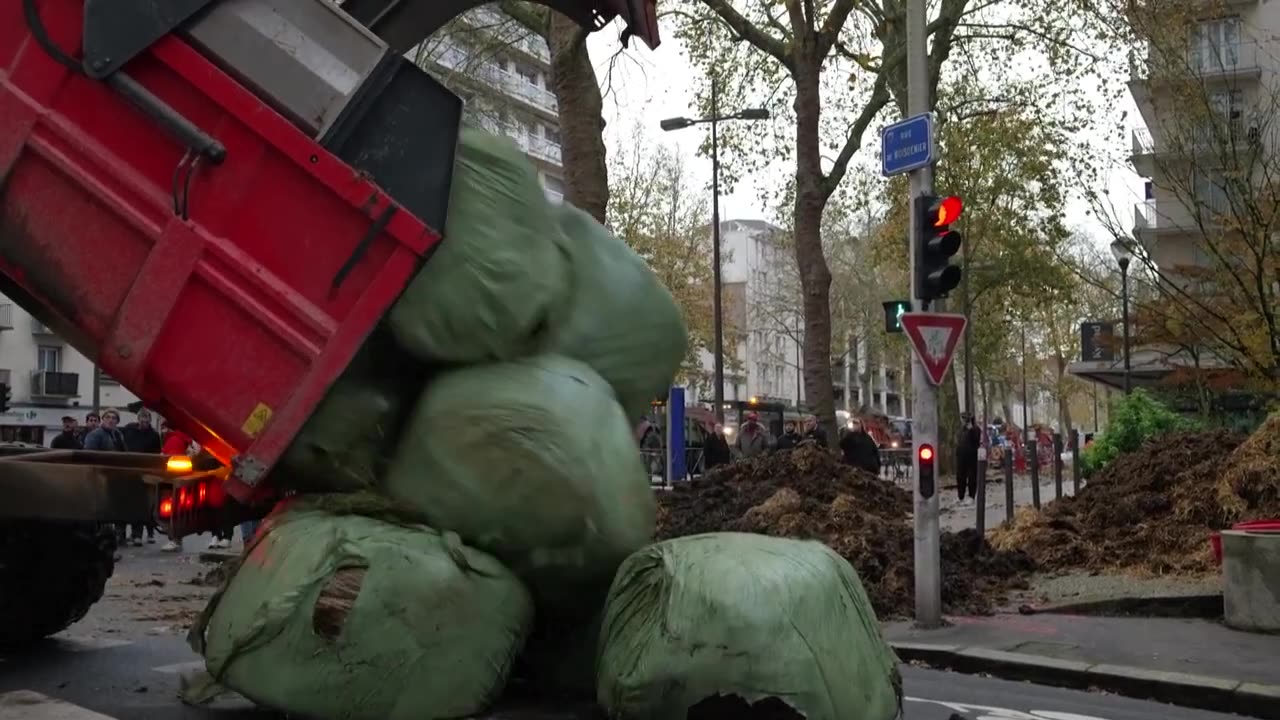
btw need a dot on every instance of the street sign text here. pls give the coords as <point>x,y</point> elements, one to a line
<point>907,145</point>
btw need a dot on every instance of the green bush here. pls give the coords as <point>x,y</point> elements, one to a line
<point>1134,420</point>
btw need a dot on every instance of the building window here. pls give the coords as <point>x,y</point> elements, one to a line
<point>1211,192</point>
<point>552,135</point>
<point>49,358</point>
<point>1216,45</point>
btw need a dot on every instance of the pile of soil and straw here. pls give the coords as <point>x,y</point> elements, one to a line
<point>1154,509</point>
<point>809,494</point>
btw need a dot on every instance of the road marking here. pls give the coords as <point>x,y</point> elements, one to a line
<point>28,705</point>
<point>181,667</point>
<point>983,712</point>
<point>75,643</point>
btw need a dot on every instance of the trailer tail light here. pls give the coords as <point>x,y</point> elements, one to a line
<point>179,464</point>
<point>166,508</point>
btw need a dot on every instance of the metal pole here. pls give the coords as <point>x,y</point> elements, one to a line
<point>1026,427</point>
<point>982,498</point>
<point>1095,407</point>
<point>968,314</point>
<point>1033,464</point>
<point>928,554</point>
<point>717,308</point>
<point>1075,462</point>
<point>1124,298</point>
<point>97,389</point>
<point>1057,466</point>
<point>1008,486</point>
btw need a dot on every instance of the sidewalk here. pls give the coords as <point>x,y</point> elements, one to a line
<point>1196,663</point>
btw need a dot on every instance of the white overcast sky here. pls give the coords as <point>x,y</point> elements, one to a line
<point>647,86</point>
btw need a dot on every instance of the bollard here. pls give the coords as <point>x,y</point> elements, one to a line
<point>1057,466</point>
<point>1033,462</point>
<point>1008,486</point>
<point>1075,462</point>
<point>981,499</point>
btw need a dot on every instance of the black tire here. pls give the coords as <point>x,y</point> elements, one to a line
<point>51,573</point>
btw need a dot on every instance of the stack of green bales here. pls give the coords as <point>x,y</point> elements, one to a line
<point>471,486</point>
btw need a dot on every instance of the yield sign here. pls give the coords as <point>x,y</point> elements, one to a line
<point>934,337</point>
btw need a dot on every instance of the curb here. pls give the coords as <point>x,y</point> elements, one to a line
<point>1193,691</point>
<point>1169,606</point>
<point>217,556</point>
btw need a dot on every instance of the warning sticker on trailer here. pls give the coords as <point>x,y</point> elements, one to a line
<point>257,420</point>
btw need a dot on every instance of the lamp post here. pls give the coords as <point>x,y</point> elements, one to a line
<point>1026,428</point>
<point>1122,249</point>
<point>679,123</point>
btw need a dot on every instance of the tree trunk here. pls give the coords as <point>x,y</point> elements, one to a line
<point>815,276</point>
<point>573,80</point>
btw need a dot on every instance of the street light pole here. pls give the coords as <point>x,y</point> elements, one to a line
<point>1122,249</point>
<point>1026,428</point>
<point>717,302</point>
<point>717,308</point>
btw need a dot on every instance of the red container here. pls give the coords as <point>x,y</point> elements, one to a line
<point>230,322</point>
<point>1267,526</point>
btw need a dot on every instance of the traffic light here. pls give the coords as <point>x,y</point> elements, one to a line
<point>936,242</point>
<point>927,457</point>
<point>893,312</point>
<point>4,397</point>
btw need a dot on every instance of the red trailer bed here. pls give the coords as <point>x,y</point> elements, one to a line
<point>228,295</point>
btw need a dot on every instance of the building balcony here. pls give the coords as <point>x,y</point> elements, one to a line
<point>39,328</point>
<point>1215,146</point>
<point>6,316</point>
<point>488,19</point>
<point>544,149</point>
<point>46,384</point>
<point>1151,218</point>
<point>1212,64</point>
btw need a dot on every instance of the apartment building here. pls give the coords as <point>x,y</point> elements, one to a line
<point>764,329</point>
<point>47,379</point>
<point>503,72</point>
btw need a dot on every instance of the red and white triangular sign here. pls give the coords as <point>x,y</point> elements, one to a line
<point>934,337</point>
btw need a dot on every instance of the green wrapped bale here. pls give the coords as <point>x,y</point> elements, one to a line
<point>533,461</point>
<point>486,292</point>
<point>618,318</point>
<point>727,617</point>
<point>348,440</point>
<point>351,618</point>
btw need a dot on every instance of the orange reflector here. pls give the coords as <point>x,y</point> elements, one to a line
<point>166,507</point>
<point>179,464</point>
<point>203,490</point>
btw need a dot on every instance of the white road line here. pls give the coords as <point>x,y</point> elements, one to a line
<point>76,643</point>
<point>194,665</point>
<point>28,705</point>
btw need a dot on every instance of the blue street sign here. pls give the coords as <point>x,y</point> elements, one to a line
<point>907,145</point>
<point>676,469</point>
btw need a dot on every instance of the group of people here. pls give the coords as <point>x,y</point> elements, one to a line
<point>753,439</point>
<point>102,432</point>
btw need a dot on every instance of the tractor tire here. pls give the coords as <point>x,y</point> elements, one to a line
<point>51,573</point>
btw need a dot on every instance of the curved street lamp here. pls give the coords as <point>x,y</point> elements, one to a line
<point>680,123</point>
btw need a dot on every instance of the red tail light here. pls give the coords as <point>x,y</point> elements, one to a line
<point>166,508</point>
<point>203,492</point>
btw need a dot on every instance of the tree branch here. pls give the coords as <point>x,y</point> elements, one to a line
<point>779,50</point>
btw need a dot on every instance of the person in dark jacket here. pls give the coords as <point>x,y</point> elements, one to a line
<point>967,457</point>
<point>140,436</point>
<point>859,450</point>
<point>716,452</point>
<point>813,433</point>
<point>790,438</point>
<point>69,438</point>
<point>107,436</point>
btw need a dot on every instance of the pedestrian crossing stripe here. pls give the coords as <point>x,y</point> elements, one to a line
<point>30,705</point>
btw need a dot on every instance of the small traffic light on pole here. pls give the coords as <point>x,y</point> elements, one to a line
<point>893,312</point>
<point>927,475</point>
<point>936,243</point>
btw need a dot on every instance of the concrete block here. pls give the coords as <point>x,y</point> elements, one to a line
<point>1250,578</point>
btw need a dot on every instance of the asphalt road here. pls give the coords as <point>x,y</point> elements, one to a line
<point>138,679</point>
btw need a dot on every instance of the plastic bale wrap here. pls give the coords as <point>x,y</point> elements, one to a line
<point>533,461</point>
<point>618,318</point>
<point>348,441</point>
<point>351,618</point>
<point>730,614</point>
<point>487,290</point>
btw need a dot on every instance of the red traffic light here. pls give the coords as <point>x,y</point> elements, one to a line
<point>926,453</point>
<point>947,210</point>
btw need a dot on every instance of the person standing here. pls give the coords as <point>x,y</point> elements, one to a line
<point>716,452</point>
<point>753,440</point>
<point>106,437</point>
<point>859,450</point>
<point>967,457</point>
<point>91,421</point>
<point>140,436</point>
<point>790,438</point>
<point>69,438</point>
<point>813,433</point>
